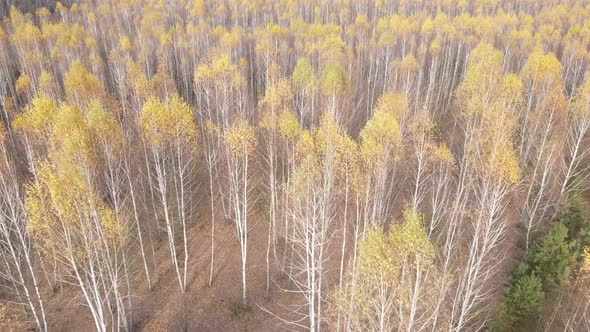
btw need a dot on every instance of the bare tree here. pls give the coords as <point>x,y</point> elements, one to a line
<point>15,243</point>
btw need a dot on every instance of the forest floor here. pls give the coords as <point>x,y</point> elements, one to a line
<point>201,308</point>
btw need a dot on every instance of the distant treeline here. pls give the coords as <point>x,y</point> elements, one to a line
<point>27,6</point>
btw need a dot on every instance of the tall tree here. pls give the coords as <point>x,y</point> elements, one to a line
<point>68,219</point>
<point>489,165</point>
<point>380,145</point>
<point>578,125</point>
<point>394,267</point>
<point>240,144</point>
<point>171,135</point>
<point>15,244</point>
<point>312,212</point>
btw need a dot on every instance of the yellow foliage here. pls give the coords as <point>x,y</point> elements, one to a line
<point>545,69</point>
<point>112,230</point>
<point>305,145</point>
<point>410,239</point>
<point>2,134</point>
<point>348,155</point>
<point>585,268</point>
<point>211,129</point>
<point>168,123</point>
<point>220,72</point>
<point>162,83</point>
<point>104,126</point>
<point>241,139</point>
<point>373,251</point>
<point>580,106</point>
<point>277,107</point>
<point>46,83</point>
<point>278,96</point>
<point>443,155</point>
<point>8,104</point>
<point>387,262</point>
<point>81,86</point>
<point>71,139</point>
<point>305,177</point>
<point>43,12</point>
<point>387,252</point>
<point>394,103</point>
<point>512,90</point>
<point>71,135</point>
<point>26,34</point>
<point>482,76</point>
<point>141,86</point>
<point>198,9</point>
<point>125,44</point>
<point>23,84</point>
<point>491,101</point>
<point>317,151</point>
<point>327,135</point>
<point>289,126</point>
<point>379,138</point>
<point>435,47</point>
<point>333,49</point>
<point>37,118</point>
<point>503,164</point>
<point>268,121</point>
<point>303,75</point>
<point>409,63</point>
<point>334,80</point>
<point>63,212</point>
<point>496,143</point>
<point>427,27</point>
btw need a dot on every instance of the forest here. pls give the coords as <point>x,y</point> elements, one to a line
<point>278,165</point>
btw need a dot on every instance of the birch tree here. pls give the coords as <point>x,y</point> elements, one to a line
<point>488,105</point>
<point>421,144</point>
<point>578,125</point>
<point>312,213</point>
<point>544,108</point>
<point>68,220</point>
<point>34,125</point>
<point>304,90</point>
<point>277,101</point>
<point>240,142</point>
<point>395,268</point>
<point>212,138</point>
<point>380,144</point>
<point>171,134</point>
<point>15,243</point>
